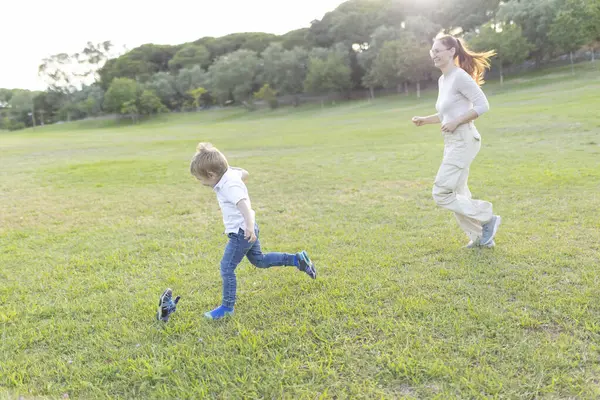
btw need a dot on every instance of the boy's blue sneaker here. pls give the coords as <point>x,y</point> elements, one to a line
<point>166,305</point>
<point>219,312</point>
<point>306,265</point>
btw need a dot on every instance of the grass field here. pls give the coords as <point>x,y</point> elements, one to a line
<point>95,222</point>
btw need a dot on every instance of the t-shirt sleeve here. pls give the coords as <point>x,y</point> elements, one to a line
<point>235,191</point>
<point>237,172</point>
<point>471,90</point>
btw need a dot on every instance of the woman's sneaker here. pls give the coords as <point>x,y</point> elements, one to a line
<point>489,230</point>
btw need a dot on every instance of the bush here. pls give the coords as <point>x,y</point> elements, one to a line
<point>15,126</point>
<point>269,95</point>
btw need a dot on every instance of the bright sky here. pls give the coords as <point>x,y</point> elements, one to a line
<point>34,29</point>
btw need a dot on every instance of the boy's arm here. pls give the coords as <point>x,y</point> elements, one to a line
<point>242,171</point>
<point>244,207</point>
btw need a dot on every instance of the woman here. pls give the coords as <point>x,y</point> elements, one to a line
<point>460,101</point>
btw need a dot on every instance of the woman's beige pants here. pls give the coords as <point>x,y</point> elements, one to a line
<point>450,188</point>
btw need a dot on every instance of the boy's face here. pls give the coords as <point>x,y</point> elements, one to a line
<point>210,180</point>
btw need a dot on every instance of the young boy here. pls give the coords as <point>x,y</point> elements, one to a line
<point>210,167</point>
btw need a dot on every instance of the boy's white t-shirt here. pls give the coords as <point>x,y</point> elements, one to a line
<point>230,190</point>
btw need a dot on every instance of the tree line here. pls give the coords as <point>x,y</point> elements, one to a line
<point>366,44</point>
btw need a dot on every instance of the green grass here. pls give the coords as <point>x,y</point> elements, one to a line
<point>95,223</point>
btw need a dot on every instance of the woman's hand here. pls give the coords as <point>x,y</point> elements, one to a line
<point>418,121</point>
<point>449,127</point>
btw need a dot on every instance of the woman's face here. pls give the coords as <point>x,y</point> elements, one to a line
<point>440,54</point>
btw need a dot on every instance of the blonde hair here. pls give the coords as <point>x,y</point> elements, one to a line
<point>472,62</point>
<point>208,159</point>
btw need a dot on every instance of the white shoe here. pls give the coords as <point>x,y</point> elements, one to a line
<point>472,245</point>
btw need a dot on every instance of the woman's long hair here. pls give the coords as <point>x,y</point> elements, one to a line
<point>472,62</point>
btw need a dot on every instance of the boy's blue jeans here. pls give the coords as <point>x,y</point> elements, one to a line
<point>237,248</point>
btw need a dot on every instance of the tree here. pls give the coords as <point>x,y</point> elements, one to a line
<point>189,56</point>
<point>272,64</point>
<point>351,25</point>
<point>258,41</point>
<point>164,86</point>
<point>296,38</point>
<point>389,67</point>
<point>191,78</point>
<point>150,104</point>
<point>130,108</point>
<point>320,53</point>
<point>463,15</point>
<point>234,75</point>
<point>60,74</point>
<point>198,95</point>
<point>48,104</point>
<point>40,105</point>
<point>11,118</point>
<point>22,106</point>
<point>91,101</point>
<point>330,75</point>
<point>400,61</point>
<point>354,26</point>
<point>569,30</point>
<point>423,30</point>
<point>417,63</point>
<point>535,18</point>
<point>507,40</point>
<point>92,58</point>
<point>285,70</point>
<point>121,94</point>
<point>5,96</point>
<point>70,110</point>
<point>85,102</point>
<point>66,72</point>
<point>139,64</point>
<point>353,22</point>
<point>318,33</point>
<point>254,41</point>
<point>55,70</point>
<point>366,56</point>
<point>593,27</point>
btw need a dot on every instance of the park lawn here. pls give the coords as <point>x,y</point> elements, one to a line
<point>96,220</point>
